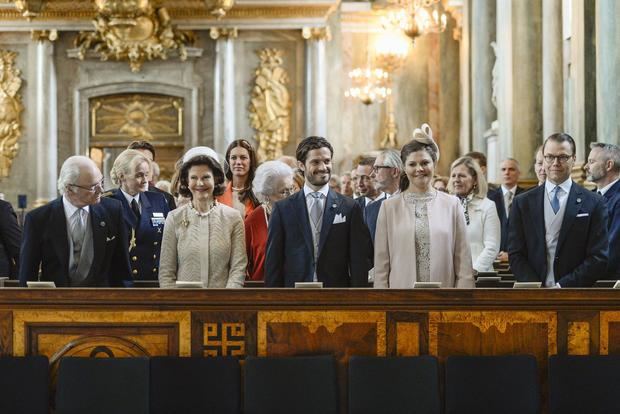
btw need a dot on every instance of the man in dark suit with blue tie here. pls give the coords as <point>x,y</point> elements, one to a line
<point>79,239</point>
<point>558,231</point>
<point>317,234</point>
<point>603,169</point>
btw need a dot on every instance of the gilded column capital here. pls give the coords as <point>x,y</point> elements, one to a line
<point>223,32</point>
<point>317,33</point>
<point>43,35</point>
<point>456,11</point>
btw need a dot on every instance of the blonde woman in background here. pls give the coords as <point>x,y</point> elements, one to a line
<point>467,182</point>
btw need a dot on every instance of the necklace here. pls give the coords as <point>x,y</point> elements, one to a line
<point>238,189</point>
<point>201,214</point>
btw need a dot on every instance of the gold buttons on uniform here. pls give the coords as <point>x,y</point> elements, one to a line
<point>134,271</point>
<point>154,256</point>
<point>154,269</point>
<point>155,243</point>
<point>134,258</point>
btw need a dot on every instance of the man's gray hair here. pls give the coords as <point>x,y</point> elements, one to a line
<point>391,158</point>
<point>69,172</point>
<point>610,152</point>
<point>266,176</point>
<point>515,161</point>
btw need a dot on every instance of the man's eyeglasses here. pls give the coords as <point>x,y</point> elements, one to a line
<point>376,168</point>
<point>563,159</point>
<point>93,188</point>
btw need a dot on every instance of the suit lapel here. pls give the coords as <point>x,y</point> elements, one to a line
<point>572,207</point>
<point>538,205</point>
<point>98,225</point>
<point>59,228</point>
<point>331,205</point>
<point>147,212</point>
<point>300,210</point>
<point>128,215</point>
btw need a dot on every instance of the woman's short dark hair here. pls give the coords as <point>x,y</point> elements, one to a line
<point>248,193</point>
<point>309,144</point>
<point>214,166</point>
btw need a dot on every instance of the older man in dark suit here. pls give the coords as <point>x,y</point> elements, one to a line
<point>503,198</point>
<point>10,239</point>
<point>558,231</point>
<point>317,234</point>
<point>603,169</point>
<point>79,239</point>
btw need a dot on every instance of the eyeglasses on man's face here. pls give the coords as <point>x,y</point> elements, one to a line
<point>91,188</point>
<point>376,168</point>
<point>562,159</point>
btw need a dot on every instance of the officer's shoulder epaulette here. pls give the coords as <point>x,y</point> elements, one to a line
<point>109,193</point>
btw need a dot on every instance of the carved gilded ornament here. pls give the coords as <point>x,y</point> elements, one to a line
<point>29,8</point>
<point>133,31</point>
<point>115,119</point>
<point>223,32</point>
<point>219,8</point>
<point>316,33</point>
<point>10,110</point>
<point>270,106</point>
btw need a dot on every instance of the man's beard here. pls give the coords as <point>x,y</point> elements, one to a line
<point>319,182</point>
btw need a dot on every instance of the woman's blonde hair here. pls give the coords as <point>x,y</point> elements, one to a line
<point>125,164</point>
<point>480,183</point>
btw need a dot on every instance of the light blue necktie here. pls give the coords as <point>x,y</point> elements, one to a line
<point>555,201</point>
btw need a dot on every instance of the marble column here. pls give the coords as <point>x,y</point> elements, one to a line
<point>608,70</point>
<point>580,103</point>
<point>482,61</point>
<point>552,81</point>
<point>224,88</point>
<point>463,35</point>
<point>316,80</point>
<point>45,128</point>
<point>519,80</point>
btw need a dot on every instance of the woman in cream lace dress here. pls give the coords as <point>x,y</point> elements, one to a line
<point>421,233</point>
<point>203,240</point>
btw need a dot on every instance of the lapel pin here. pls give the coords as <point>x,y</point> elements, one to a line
<point>334,205</point>
<point>102,224</point>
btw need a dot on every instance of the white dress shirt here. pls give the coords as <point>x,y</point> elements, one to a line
<point>130,198</point>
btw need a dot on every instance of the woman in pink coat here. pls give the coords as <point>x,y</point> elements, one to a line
<point>421,233</point>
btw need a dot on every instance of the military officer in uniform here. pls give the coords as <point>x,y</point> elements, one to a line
<point>144,212</point>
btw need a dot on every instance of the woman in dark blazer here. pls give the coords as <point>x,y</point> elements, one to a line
<point>144,212</point>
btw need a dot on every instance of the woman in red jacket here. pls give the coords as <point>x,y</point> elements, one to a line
<point>241,158</point>
<point>273,182</point>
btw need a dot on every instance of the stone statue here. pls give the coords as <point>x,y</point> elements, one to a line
<point>494,76</point>
<point>10,111</point>
<point>270,106</point>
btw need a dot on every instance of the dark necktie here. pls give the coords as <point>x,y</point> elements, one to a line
<point>135,208</point>
<point>555,201</point>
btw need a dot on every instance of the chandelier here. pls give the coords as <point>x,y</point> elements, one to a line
<point>369,85</point>
<point>415,17</point>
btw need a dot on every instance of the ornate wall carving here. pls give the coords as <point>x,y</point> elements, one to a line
<point>116,119</point>
<point>270,106</point>
<point>10,110</point>
<point>133,32</point>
